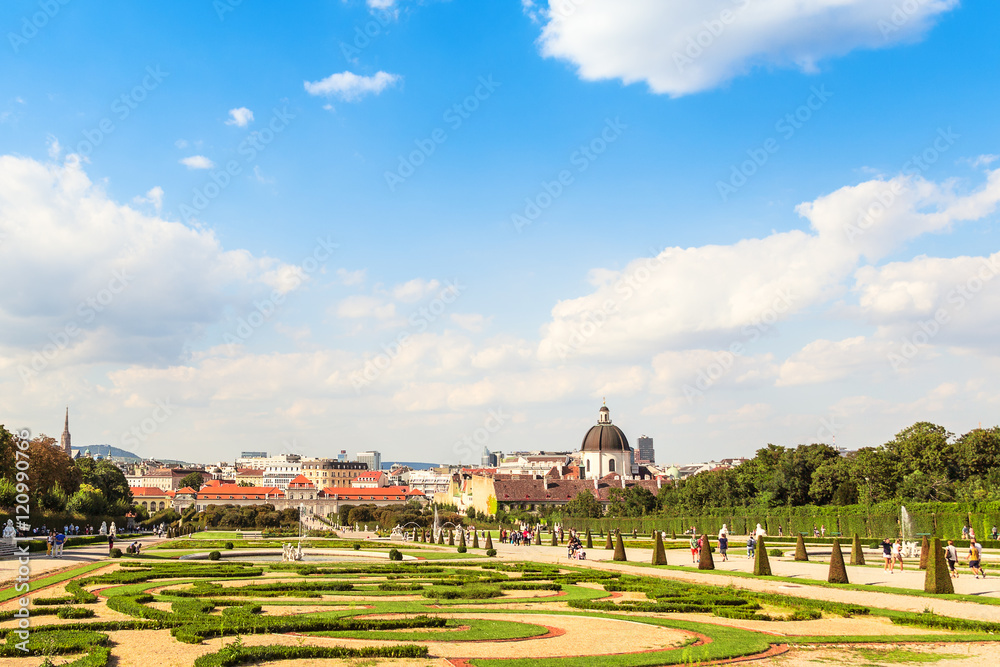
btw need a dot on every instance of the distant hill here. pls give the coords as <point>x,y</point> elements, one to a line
<point>108,451</point>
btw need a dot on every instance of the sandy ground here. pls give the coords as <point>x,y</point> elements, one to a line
<point>941,655</point>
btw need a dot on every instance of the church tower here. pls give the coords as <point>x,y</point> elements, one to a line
<point>64,441</point>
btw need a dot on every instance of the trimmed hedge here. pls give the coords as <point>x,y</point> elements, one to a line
<point>248,655</point>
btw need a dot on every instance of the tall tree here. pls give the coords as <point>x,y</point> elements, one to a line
<point>194,480</point>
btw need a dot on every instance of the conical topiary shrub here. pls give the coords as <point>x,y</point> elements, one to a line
<point>800,549</point>
<point>475,539</point>
<point>489,541</point>
<point>609,545</point>
<point>673,534</point>
<point>619,549</point>
<point>441,537</point>
<point>538,537</point>
<point>562,537</point>
<point>857,555</point>
<point>555,542</point>
<point>451,538</point>
<point>925,548</point>
<point>761,564</point>
<point>659,553</point>
<point>838,573</point>
<point>461,538</point>
<point>590,540</point>
<point>937,579</point>
<point>705,560</point>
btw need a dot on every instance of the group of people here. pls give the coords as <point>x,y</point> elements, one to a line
<point>975,556</point>
<point>892,553</point>
<point>969,533</point>
<point>54,544</point>
<point>134,548</point>
<point>68,529</point>
<point>517,537</point>
<point>575,549</point>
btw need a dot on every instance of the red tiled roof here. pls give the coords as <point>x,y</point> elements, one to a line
<point>235,492</point>
<point>381,493</point>
<point>300,481</point>
<point>147,491</point>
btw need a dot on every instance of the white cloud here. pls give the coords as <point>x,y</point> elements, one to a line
<point>240,117</point>
<point>135,287</point>
<point>985,160</point>
<point>473,322</point>
<point>197,162</point>
<point>153,196</point>
<point>724,294</point>
<point>823,361</point>
<point>360,307</point>
<point>351,87</point>
<point>351,278</point>
<point>685,47</point>
<point>414,290</point>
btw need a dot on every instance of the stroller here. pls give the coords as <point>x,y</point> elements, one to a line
<point>575,550</point>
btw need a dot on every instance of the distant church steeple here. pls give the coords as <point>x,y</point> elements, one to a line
<point>64,441</point>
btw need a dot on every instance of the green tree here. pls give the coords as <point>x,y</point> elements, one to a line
<point>194,480</point>
<point>584,505</point>
<point>639,501</point>
<point>978,451</point>
<point>87,500</point>
<point>107,477</point>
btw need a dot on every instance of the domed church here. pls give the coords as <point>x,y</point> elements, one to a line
<point>605,449</point>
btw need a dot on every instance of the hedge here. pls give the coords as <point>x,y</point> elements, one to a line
<point>245,655</point>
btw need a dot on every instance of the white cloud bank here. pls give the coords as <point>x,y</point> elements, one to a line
<point>687,46</point>
<point>351,87</point>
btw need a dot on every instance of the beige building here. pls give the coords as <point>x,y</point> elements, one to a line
<point>331,472</point>
<point>254,476</point>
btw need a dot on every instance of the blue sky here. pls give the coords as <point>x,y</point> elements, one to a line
<point>509,308</point>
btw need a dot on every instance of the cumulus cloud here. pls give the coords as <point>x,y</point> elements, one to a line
<point>351,87</point>
<point>154,196</point>
<point>126,286</point>
<point>723,294</point>
<point>240,117</point>
<point>680,48</point>
<point>197,162</point>
<point>473,322</point>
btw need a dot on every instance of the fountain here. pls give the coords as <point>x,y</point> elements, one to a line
<point>910,549</point>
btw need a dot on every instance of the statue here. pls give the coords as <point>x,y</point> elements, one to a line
<point>9,534</point>
<point>104,528</point>
<point>114,529</point>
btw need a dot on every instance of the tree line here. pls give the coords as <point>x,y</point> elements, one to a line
<point>922,463</point>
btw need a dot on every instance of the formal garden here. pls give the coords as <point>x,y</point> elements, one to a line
<point>183,603</point>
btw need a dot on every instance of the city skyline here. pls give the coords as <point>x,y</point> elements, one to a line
<point>425,228</point>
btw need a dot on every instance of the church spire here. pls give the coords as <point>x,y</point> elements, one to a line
<point>64,441</point>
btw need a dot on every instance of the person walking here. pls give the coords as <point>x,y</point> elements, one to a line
<point>887,554</point>
<point>694,549</point>
<point>57,545</point>
<point>111,543</point>
<point>951,555</point>
<point>897,554</point>
<point>49,543</point>
<point>751,547</point>
<point>975,556</point>
<point>724,545</point>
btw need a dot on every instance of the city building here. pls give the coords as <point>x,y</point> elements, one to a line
<point>370,479</point>
<point>251,476</point>
<point>280,472</point>
<point>372,458</point>
<point>167,479</point>
<point>645,454</point>
<point>606,450</point>
<point>64,440</point>
<point>331,472</point>
<point>429,482</point>
<point>152,499</point>
<point>253,455</point>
